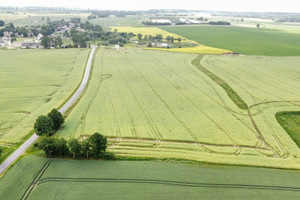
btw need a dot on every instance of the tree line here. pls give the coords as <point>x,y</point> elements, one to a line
<point>92,147</point>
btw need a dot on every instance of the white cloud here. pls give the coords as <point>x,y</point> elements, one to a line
<point>225,5</point>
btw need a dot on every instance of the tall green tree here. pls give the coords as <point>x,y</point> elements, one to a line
<point>98,144</point>
<point>44,126</point>
<point>46,42</point>
<point>60,147</point>
<point>2,23</point>
<point>57,119</point>
<point>139,36</point>
<point>47,145</point>
<point>58,42</point>
<point>74,147</point>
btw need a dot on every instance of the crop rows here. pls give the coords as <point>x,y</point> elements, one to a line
<point>156,104</point>
<point>32,84</point>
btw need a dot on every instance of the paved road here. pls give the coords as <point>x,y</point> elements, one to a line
<point>32,139</point>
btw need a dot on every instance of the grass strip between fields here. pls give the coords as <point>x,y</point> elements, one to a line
<point>230,92</point>
<point>290,121</point>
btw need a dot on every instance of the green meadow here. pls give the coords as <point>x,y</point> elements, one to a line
<point>249,41</point>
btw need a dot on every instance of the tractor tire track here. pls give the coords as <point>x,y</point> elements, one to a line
<point>36,180</point>
<point>171,183</point>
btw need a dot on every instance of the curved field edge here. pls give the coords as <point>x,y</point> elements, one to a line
<point>290,121</point>
<point>65,179</point>
<point>199,49</point>
<point>249,41</point>
<point>230,92</point>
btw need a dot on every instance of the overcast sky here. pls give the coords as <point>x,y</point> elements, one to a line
<point>221,5</point>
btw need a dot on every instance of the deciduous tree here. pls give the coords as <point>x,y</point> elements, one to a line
<point>57,118</point>
<point>98,144</point>
<point>74,147</point>
<point>44,126</point>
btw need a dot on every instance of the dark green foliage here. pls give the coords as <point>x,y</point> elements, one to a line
<point>2,23</point>
<point>98,145</point>
<point>44,126</point>
<point>219,23</point>
<point>85,148</point>
<point>46,42</point>
<point>290,121</point>
<point>75,20</point>
<point>58,42</point>
<point>57,118</point>
<point>79,39</point>
<point>54,147</point>
<point>74,147</point>
<point>139,36</point>
<point>61,148</point>
<point>47,145</point>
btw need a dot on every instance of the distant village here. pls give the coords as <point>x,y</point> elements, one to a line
<point>34,42</point>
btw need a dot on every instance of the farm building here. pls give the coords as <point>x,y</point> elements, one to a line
<point>161,21</point>
<point>31,45</point>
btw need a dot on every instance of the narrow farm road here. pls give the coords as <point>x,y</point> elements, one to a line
<point>32,139</point>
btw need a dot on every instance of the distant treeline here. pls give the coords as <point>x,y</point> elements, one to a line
<point>107,13</point>
<point>150,23</point>
<point>219,23</point>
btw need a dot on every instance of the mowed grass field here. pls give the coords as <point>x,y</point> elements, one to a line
<point>32,82</point>
<point>157,104</point>
<point>198,49</point>
<point>67,179</point>
<point>249,41</point>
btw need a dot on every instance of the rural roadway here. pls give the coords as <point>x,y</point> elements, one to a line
<point>33,138</point>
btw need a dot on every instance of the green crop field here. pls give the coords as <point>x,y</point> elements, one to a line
<point>66,179</point>
<point>157,104</point>
<point>32,82</point>
<point>249,41</point>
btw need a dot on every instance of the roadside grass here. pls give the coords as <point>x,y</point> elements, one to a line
<point>290,121</point>
<point>249,41</point>
<point>73,179</point>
